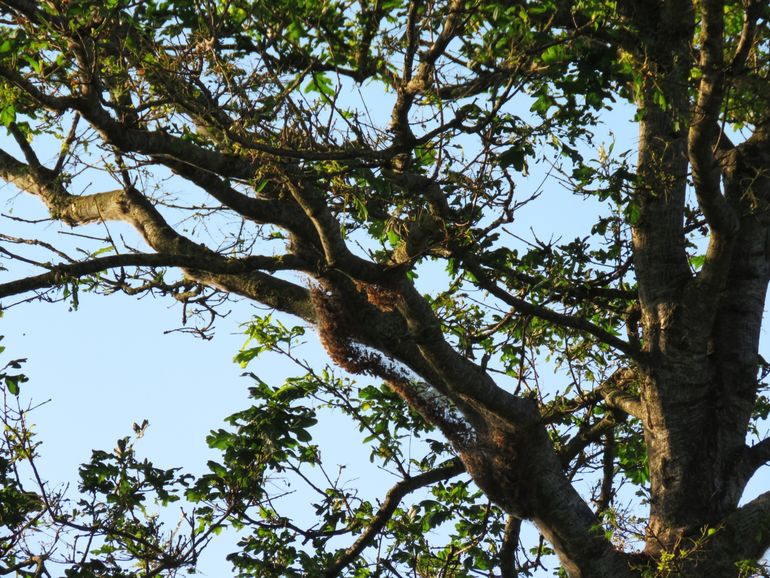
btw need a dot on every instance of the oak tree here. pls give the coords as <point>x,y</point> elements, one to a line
<point>362,167</point>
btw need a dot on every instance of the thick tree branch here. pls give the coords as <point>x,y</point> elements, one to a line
<point>566,521</point>
<point>508,444</point>
<point>26,178</point>
<point>508,547</point>
<point>664,31</point>
<point>704,133</point>
<point>703,136</point>
<point>511,427</point>
<point>259,210</point>
<point>753,458</point>
<point>743,535</point>
<point>625,402</point>
<point>614,390</point>
<point>505,425</point>
<point>466,382</point>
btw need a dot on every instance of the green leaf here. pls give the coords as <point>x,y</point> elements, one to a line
<point>696,261</point>
<point>12,383</point>
<point>7,115</point>
<point>632,213</point>
<point>321,84</point>
<point>553,54</point>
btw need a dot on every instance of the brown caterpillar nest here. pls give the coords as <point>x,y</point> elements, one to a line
<point>335,332</point>
<point>337,338</point>
<point>383,299</point>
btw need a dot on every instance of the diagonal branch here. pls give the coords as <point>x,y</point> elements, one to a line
<point>743,535</point>
<point>392,500</point>
<point>336,252</point>
<point>562,319</point>
<point>23,143</point>
<point>259,210</point>
<point>586,436</point>
<point>613,390</point>
<point>748,33</point>
<point>753,458</point>
<point>47,101</point>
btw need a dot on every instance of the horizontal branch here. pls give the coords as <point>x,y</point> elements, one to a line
<point>625,402</point>
<point>229,274</point>
<point>238,276</point>
<point>19,566</point>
